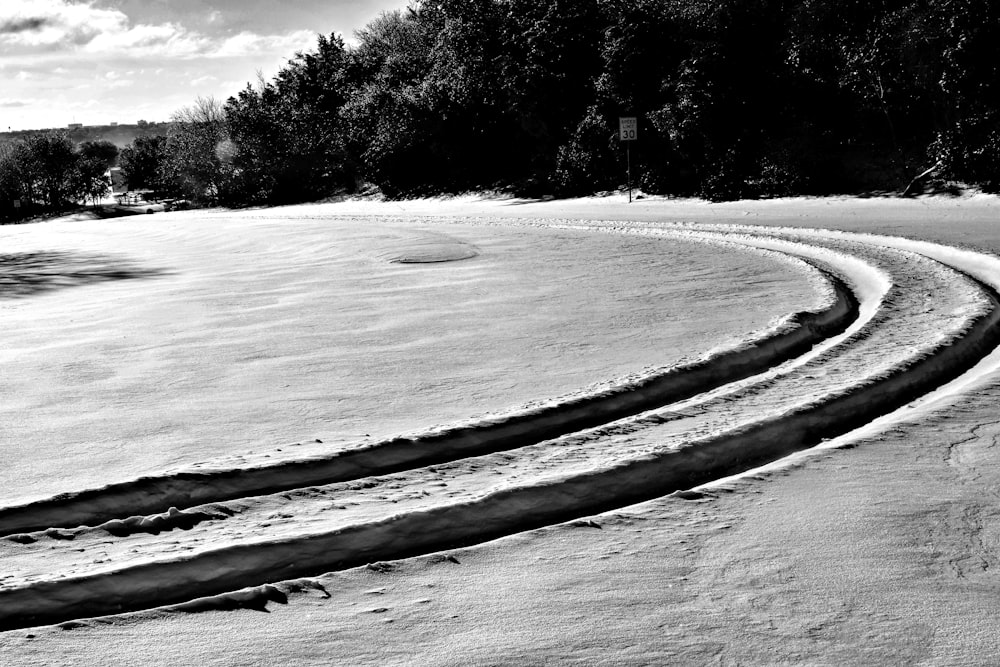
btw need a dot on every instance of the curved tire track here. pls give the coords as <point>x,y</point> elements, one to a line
<point>150,495</point>
<point>540,502</point>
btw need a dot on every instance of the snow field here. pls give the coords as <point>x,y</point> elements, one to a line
<point>228,339</point>
<point>903,337</point>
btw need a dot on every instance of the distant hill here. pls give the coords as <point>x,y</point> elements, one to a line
<point>119,135</point>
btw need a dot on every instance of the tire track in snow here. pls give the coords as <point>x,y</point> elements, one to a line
<point>794,336</point>
<point>954,336</point>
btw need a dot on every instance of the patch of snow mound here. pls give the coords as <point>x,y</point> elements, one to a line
<point>423,248</point>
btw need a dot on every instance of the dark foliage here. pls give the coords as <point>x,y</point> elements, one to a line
<point>734,98</point>
<point>46,172</point>
<point>140,162</point>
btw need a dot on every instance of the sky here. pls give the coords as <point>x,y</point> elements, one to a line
<point>101,61</point>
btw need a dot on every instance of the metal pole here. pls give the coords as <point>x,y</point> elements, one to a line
<point>628,162</point>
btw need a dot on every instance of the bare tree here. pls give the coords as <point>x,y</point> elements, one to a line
<point>198,150</point>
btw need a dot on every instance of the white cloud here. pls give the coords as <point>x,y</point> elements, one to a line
<point>247,43</point>
<point>121,83</point>
<point>54,24</point>
<point>34,27</point>
<point>168,40</point>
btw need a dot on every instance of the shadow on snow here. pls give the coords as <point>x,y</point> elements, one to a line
<point>30,273</point>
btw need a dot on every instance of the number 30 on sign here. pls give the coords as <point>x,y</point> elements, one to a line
<point>627,128</point>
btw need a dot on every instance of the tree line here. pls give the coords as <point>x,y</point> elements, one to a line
<point>734,98</point>
<point>48,172</point>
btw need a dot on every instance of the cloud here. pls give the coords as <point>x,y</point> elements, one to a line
<point>27,24</point>
<point>167,40</point>
<point>247,43</point>
<point>120,83</point>
<point>54,24</point>
<point>77,27</point>
<point>203,79</point>
<point>12,104</point>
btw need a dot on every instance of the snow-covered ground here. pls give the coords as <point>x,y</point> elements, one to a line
<point>231,351</point>
<point>139,345</point>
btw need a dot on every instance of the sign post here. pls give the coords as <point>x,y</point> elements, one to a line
<point>628,131</point>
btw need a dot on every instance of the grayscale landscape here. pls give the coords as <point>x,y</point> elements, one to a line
<point>515,551</point>
<point>499,332</point>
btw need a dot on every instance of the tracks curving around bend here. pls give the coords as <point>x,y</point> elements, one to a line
<point>901,319</point>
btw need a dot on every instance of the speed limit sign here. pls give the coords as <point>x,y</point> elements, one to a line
<point>628,129</point>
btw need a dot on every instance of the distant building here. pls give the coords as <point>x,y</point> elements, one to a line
<point>75,126</point>
<point>114,124</point>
